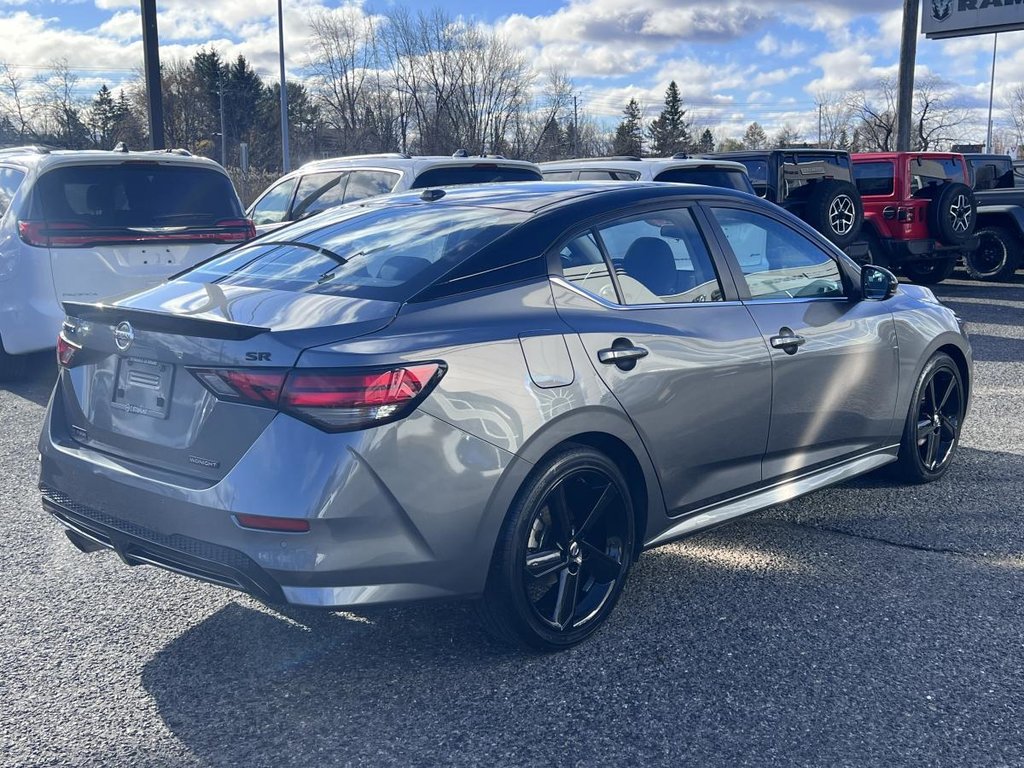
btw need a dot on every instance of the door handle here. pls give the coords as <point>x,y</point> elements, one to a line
<point>787,341</point>
<point>621,353</point>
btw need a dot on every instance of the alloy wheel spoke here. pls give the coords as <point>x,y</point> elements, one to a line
<point>949,391</point>
<point>949,425</point>
<point>603,566</point>
<point>559,507</point>
<point>931,393</point>
<point>924,428</point>
<point>545,562</point>
<point>932,450</point>
<point>565,602</point>
<point>598,509</point>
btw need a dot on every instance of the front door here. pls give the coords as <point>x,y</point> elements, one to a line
<point>834,360</point>
<point>680,354</point>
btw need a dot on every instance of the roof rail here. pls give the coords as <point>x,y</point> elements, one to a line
<point>460,153</point>
<point>27,149</point>
<point>371,156</point>
<point>175,151</point>
<point>121,147</point>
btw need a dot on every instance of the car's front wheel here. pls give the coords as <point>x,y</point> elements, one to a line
<point>931,433</point>
<point>563,554</point>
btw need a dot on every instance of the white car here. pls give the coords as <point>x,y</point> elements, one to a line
<point>324,184</point>
<point>679,169</point>
<point>86,225</point>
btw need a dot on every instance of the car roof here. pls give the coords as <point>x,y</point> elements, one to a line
<point>535,196</point>
<point>654,165</point>
<point>46,157</point>
<point>416,163</point>
<point>755,153</point>
<point>866,156</point>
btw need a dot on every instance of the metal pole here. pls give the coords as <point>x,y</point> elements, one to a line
<point>908,56</point>
<point>223,129</point>
<point>819,126</point>
<point>991,92</point>
<point>575,127</point>
<point>285,164</point>
<point>151,63</point>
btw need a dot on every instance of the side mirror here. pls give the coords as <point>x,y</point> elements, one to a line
<point>876,283</point>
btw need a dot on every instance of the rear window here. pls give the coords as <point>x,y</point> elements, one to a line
<point>757,170</point>
<point>711,177</point>
<point>992,173</point>
<point>932,170</point>
<point>387,253</point>
<point>135,194</point>
<point>873,178</point>
<point>482,173</point>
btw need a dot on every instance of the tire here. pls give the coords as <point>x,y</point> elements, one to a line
<point>876,253</point>
<point>552,545</point>
<point>834,208</point>
<point>952,213</point>
<point>997,256</point>
<point>930,272</point>
<point>921,432</point>
<point>12,367</point>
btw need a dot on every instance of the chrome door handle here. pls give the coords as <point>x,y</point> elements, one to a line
<point>787,341</point>
<point>616,355</point>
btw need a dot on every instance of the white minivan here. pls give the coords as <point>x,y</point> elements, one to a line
<point>83,226</point>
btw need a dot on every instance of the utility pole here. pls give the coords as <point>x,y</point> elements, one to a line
<point>223,128</point>
<point>151,63</point>
<point>285,165</point>
<point>575,127</point>
<point>991,93</point>
<point>819,126</point>
<point>908,57</point>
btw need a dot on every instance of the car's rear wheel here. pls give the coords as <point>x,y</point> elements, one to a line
<point>997,256</point>
<point>932,430</point>
<point>563,554</point>
<point>930,272</point>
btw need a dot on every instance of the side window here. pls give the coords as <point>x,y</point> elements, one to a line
<point>10,180</point>
<point>874,178</point>
<point>559,175</point>
<point>660,257</point>
<point>363,184</point>
<point>594,175</point>
<point>584,266</point>
<point>758,172</point>
<point>318,192</point>
<point>778,262</point>
<point>273,206</point>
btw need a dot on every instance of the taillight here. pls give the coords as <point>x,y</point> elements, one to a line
<point>73,234</point>
<point>66,351</point>
<point>52,234</point>
<point>266,523</point>
<point>236,230</point>
<point>334,400</point>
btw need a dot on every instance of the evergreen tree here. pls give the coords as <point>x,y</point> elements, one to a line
<point>706,142</point>
<point>669,132</point>
<point>755,137</point>
<point>103,117</point>
<point>629,138</point>
<point>843,142</point>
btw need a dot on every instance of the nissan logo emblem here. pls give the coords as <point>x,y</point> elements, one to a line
<point>124,335</point>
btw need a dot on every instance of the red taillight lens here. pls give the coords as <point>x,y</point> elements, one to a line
<point>335,400</point>
<point>73,234</point>
<point>52,233</point>
<point>66,351</point>
<point>236,230</point>
<point>265,523</point>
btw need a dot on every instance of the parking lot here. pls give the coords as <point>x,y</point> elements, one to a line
<point>867,624</point>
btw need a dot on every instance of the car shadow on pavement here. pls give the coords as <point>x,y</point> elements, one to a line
<point>772,641</point>
<point>36,383</point>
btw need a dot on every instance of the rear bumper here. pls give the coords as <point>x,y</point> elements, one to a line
<point>901,251</point>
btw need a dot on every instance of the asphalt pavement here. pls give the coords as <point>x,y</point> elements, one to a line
<point>868,624</point>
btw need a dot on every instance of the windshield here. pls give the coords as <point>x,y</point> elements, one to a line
<point>135,194</point>
<point>387,253</point>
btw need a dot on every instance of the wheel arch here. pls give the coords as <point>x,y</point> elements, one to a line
<point>962,365</point>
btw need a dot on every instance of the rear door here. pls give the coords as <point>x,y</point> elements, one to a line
<point>681,355</point>
<point>116,228</point>
<point>835,364</point>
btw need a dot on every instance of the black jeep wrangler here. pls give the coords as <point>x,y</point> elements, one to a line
<point>815,185</point>
<point>999,190</point>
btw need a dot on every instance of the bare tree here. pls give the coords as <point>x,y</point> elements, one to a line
<point>16,107</point>
<point>1017,115</point>
<point>938,120</point>
<point>835,115</point>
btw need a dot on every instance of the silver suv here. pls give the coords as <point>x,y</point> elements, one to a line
<point>324,184</point>
<point>679,169</point>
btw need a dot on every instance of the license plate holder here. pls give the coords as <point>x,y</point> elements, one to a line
<point>143,387</point>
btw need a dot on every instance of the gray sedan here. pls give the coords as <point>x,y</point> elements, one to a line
<point>502,392</point>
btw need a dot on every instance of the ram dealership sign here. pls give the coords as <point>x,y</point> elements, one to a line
<point>959,18</point>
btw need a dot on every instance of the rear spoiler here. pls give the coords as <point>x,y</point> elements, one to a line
<point>161,322</point>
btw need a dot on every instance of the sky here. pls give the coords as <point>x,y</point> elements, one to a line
<point>734,62</point>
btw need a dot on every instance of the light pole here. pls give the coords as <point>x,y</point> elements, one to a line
<point>285,165</point>
<point>991,93</point>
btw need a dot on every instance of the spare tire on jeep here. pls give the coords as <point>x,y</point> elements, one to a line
<point>834,209</point>
<point>951,213</point>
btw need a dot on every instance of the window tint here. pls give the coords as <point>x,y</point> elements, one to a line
<point>363,184</point>
<point>800,170</point>
<point>559,175</point>
<point>926,171</point>
<point>273,206</point>
<point>660,257</point>
<point>585,267</point>
<point>598,175</point>
<point>873,178</point>
<point>374,253</point>
<point>474,174</point>
<point>10,180</point>
<point>757,170</point>
<point>318,192</point>
<point>778,262</point>
<point>135,194</point>
<point>711,177</point>
<point>992,173</point>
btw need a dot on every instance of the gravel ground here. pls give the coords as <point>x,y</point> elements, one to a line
<point>863,625</point>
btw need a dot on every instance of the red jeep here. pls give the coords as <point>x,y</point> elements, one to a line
<point>919,214</point>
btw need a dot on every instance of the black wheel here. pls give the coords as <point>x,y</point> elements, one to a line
<point>930,272</point>
<point>834,209</point>
<point>997,256</point>
<point>563,554</point>
<point>932,431</point>
<point>876,253</point>
<point>952,213</point>
<point>12,367</point>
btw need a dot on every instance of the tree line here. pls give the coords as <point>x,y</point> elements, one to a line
<point>421,83</point>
